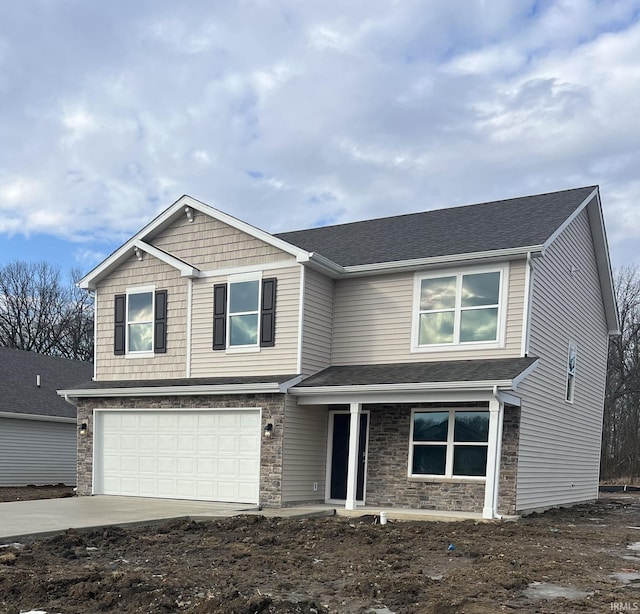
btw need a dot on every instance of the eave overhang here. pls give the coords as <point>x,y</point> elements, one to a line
<point>181,390</point>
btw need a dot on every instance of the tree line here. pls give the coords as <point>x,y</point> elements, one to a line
<point>620,458</point>
<point>40,311</point>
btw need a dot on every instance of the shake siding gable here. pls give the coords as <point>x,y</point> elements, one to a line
<point>559,451</point>
<point>373,317</point>
<point>132,273</point>
<point>282,358</point>
<point>211,245</point>
<point>304,453</point>
<point>318,313</point>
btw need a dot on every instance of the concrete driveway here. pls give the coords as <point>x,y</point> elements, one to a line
<point>22,519</point>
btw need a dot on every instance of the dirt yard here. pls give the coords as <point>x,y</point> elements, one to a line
<point>29,493</point>
<point>587,558</point>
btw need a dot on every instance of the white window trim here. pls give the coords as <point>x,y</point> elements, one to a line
<point>233,279</point>
<point>570,381</point>
<point>448,472</point>
<point>458,273</point>
<point>139,290</point>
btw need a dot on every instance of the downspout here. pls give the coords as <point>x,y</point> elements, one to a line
<point>496,469</point>
<point>528,280</point>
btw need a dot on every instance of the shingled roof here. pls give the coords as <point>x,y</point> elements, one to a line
<point>19,392</point>
<point>436,372</point>
<point>503,224</point>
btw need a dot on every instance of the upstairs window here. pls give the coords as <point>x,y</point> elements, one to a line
<point>244,313</point>
<point>458,309</point>
<point>140,322</point>
<point>571,372</point>
<point>244,300</point>
<point>449,443</point>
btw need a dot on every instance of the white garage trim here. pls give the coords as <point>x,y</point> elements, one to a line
<point>209,454</point>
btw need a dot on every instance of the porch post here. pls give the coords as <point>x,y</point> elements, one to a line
<point>493,459</point>
<point>352,465</point>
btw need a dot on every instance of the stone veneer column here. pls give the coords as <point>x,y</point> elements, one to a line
<point>509,460</point>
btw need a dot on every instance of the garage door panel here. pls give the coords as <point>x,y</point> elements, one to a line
<point>199,454</point>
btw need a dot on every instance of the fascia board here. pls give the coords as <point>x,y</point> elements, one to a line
<point>603,262</point>
<point>410,387</point>
<point>186,270</point>
<point>37,417</point>
<point>518,378</point>
<point>113,261</point>
<point>421,263</point>
<point>154,391</point>
<point>570,219</point>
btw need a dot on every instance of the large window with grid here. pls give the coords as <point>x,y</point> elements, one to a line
<point>449,443</point>
<point>458,309</point>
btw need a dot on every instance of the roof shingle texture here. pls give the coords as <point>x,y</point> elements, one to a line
<point>499,369</point>
<point>19,393</point>
<point>517,222</point>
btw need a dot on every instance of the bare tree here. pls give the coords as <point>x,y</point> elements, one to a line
<point>41,313</point>
<point>621,428</point>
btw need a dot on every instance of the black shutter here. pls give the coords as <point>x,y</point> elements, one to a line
<point>219,316</point>
<point>119,324</point>
<point>160,323</point>
<point>268,313</point>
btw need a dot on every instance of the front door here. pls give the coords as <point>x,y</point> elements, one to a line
<point>340,455</point>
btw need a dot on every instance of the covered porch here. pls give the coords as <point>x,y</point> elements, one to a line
<point>436,437</point>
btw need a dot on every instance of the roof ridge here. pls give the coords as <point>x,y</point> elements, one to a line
<point>445,208</point>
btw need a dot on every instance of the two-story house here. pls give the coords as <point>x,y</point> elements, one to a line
<point>450,360</point>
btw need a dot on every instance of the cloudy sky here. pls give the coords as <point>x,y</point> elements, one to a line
<point>294,114</point>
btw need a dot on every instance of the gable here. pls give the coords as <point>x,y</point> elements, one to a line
<point>208,244</point>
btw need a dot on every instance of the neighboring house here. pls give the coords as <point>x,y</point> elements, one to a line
<point>450,360</point>
<point>37,428</point>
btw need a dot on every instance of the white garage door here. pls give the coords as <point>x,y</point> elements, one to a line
<point>179,454</point>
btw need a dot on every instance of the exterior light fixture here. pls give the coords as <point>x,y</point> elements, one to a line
<point>138,252</point>
<point>83,428</point>
<point>268,430</point>
<point>189,212</point>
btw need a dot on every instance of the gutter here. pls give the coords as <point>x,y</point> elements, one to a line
<point>155,391</point>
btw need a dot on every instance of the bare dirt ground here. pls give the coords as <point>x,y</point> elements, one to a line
<point>586,556</point>
<point>29,493</point>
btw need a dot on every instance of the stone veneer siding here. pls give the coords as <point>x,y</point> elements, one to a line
<point>272,406</point>
<point>509,460</point>
<point>387,483</point>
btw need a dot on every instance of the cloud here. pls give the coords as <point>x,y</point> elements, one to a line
<point>289,115</point>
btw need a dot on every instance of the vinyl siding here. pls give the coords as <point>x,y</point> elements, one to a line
<point>37,452</point>
<point>373,317</point>
<point>281,359</point>
<point>318,313</point>
<point>209,244</point>
<point>304,453</point>
<point>132,273</point>
<point>559,452</point>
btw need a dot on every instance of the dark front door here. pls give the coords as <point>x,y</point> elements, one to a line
<point>340,455</point>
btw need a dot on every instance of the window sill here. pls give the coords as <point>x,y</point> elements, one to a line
<point>243,350</point>
<point>458,347</point>
<point>434,479</point>
<point>139,355</point>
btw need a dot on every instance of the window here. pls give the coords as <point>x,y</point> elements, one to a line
<point>458,309</point>
<point>244,313</point>
<point>449,443</point>
<point>244,298</point>
<point>140,322</point>
<point>571,372</point>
